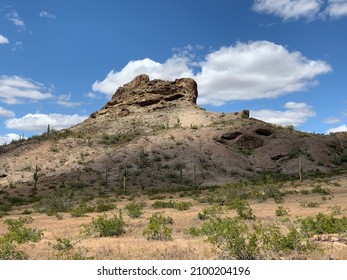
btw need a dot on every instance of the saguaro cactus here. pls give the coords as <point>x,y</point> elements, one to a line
<point>36,177</point>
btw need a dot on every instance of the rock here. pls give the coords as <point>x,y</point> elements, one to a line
<point>142,92</point>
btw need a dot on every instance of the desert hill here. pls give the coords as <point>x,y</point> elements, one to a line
<point>152,134</point>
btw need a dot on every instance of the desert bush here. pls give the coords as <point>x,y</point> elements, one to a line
<point>242,207</point>
<point>64,249</point>
<point>232,237</point>
<point>20,234</point>
<point>134,208</point>
<point>103,205</point>
<point>323,223</point>
<point>337,210</point>
<point>157,228</point>
<point>182,205</point>
<point>77,184</point>
<point>320,190</point>
<point>281,211</point>
<point>103,226</point>
<point>163,204</point>
<point>211,211</point>
<point>81,210</point>
<point>236,240</point>
<point>4,208</point>
<point>60,201</point>
<point>8,251</point>
<point>194,231</point>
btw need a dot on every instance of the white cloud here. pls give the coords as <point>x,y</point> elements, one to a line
<point>17,46</point>
<point>295,9</point>
<point>3,40</point>
<point>289,9</point>
<point>337,8</point>
<point>39,122</point>
<point>6,139</point>
<point>245,71</point>
<point>64,100</point>
<point>47,15</point>
<point>295,114</point>
<point>340,128</point>
<point>15,89</point>
<point>255,70</point>
<point>6,113</point>
<point>331,120</point>
<point>175,67</point>
<point>15,19</point>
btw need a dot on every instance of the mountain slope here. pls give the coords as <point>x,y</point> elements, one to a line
<point>153,132</point>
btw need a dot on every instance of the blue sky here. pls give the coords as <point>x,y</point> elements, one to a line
<point>284,60</point>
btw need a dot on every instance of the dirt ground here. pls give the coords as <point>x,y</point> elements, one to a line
<point>133,245</point>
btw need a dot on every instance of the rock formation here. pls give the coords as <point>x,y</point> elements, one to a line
<point>152,95</point>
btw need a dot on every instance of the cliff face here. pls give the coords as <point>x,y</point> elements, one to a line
<point>144,95</point>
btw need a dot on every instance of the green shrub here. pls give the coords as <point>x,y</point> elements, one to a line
<point>77,184</point>
<point>323,223</point>
<point>134,208</point>
<point>232,237</point>
<point>66,250</point>
<point>63,244</point>
<point>20,234</point>
<point>157,227</point>
<point>182,205</point>
<point>8,251</point>
<point>281,211</point>
<point>211,211</point>
<point>103,205</point>
<point>103,226</point>
<point>81,210</point>
<point>236,240</point>
<point>320,190</point>
<point>163,204</point>
<point>194,231</point>
<point>245,212</point>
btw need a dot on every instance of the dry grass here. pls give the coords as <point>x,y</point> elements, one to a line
<point>133,245</point>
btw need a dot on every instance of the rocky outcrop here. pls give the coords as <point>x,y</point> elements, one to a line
<point>142,92</point>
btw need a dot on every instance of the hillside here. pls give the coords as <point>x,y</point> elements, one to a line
<point>153,131</point>
<point>92,191</point>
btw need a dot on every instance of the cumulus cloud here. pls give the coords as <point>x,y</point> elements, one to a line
<point>39,122</point>
<point>340,128</point>
<point>337,8</point>
<point>15,89</point>
<point>44,14</point>
<point>331,120</point>
<point>175,67</point>
<point>255,70</point>
<point>6,113</point>
<point>64,100</point>
<point>244,71</point>
<point>289,9</point>
<point>295,114</point>
<point>3,40</point>
<point>15,19</point>
<point>6,139</point>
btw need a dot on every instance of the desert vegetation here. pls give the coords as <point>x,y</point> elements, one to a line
<point>267,218</point>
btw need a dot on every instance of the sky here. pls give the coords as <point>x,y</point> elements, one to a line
<point>284,60</point>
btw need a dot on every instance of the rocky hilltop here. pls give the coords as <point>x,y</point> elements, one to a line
<point>153,131</point>
<point>151,95</point>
